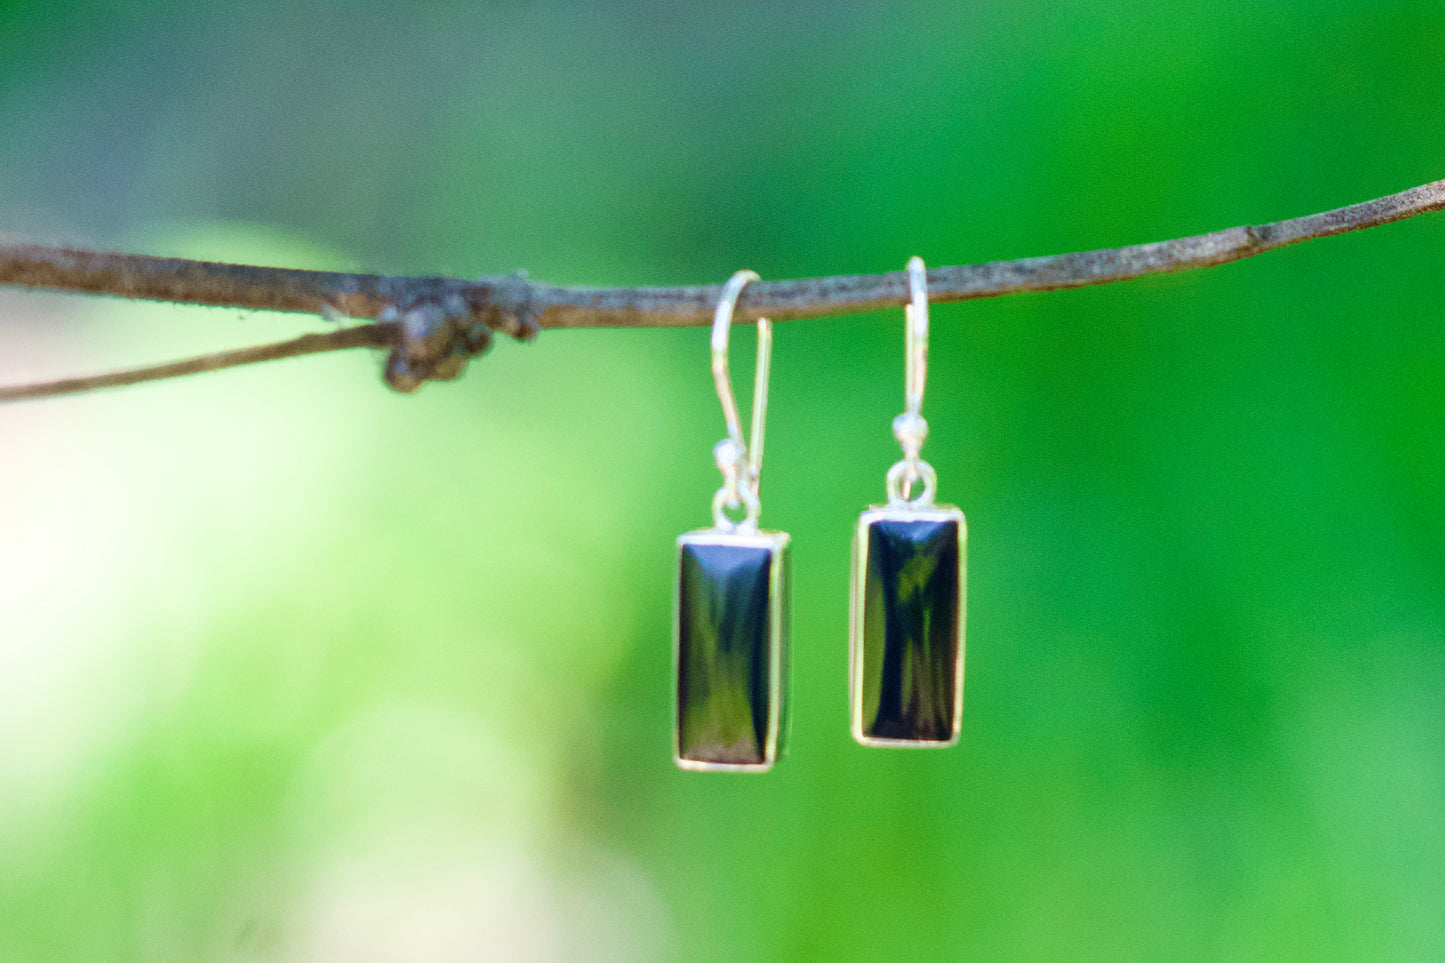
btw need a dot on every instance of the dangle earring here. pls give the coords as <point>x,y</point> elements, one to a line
<point>907,612</point>
<point>730,628</point>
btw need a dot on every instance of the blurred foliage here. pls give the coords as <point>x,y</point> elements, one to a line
<point>292,668</point>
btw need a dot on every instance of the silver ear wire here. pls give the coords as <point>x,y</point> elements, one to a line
<point>909,428</point>
<point>741,463</point>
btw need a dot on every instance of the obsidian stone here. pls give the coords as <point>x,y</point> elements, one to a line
<point>909,635</point>
<point>727,634</point>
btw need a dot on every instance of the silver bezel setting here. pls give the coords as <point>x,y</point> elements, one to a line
<point>778,543</point>
<point>877,513</point>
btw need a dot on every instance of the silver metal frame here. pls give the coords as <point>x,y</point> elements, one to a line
<point>877,513</point>
<point>778,629</point>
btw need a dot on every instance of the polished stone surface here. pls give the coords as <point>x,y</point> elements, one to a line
<point>910,631</point>
<point>726,669</point>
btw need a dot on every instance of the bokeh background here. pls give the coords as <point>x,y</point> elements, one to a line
<point>293,668</point>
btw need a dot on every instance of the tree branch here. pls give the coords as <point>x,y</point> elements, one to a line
<point>434,325</point>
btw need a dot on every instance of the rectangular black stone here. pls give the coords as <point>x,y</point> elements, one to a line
<point>731,649</point>
<point>907,626</point>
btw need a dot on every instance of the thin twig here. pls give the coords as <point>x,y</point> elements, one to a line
<point>438,323</point>
<point>365,335</point>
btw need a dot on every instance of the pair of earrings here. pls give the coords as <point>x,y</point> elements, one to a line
<point>730,630</point>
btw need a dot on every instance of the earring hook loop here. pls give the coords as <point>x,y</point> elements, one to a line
<point>741,462</point>
<point>909,428</point>
<point>916,315</point>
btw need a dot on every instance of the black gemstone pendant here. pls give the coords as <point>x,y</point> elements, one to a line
<point>731,649</point>
<point>907,626</point>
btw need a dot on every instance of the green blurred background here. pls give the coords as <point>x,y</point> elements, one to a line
<point>294,668</point>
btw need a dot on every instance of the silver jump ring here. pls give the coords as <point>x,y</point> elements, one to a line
<point>901,478</point>
<point>744,498</point>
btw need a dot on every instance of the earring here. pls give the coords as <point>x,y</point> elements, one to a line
<point>907,611</point>
<point>730,627</point>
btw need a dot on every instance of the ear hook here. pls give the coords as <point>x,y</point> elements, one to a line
<point>916,315</point>
<point>740,463</point>
<point>909,428</point>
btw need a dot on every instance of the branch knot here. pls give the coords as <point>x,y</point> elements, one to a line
<point>443,325</point>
